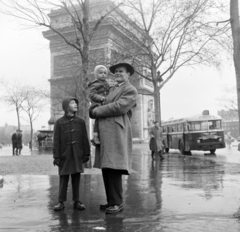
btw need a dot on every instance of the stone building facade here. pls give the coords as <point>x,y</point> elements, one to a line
<point>107,41</point>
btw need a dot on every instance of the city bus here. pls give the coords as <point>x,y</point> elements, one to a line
<point>201,132</point>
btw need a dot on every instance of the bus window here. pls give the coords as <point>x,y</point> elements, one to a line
<point>204,125</point>
<point>179,127</point>
<point>174,128</point>
<point>215,124</point>
<point>196,126</point>
<point>164,129</point>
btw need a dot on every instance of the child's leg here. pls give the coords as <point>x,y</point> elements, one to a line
<point>63,184</point>
<point>95,131</point>
<point>75,186</point>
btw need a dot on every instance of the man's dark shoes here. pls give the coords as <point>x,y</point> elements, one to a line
<point>79,205</point>
<point>114,209</point>
<point>59,206</point>
<point>103,207</point>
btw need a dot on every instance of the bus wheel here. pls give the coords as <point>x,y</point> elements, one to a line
<point>212,151</point>
<point>188,152</point>
<point>181,148</point>
<point>166,150</point>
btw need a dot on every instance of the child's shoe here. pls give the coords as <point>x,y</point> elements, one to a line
<point>96,140</point>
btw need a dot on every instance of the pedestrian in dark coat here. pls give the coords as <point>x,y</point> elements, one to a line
<point>70,150</point>
<point>19,142</point>
<point>114,155</point>
<point>14,142</point>
<point>155,143</point>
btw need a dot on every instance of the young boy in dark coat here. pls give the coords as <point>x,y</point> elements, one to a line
<point>98,90</point>
<point>71,149</point>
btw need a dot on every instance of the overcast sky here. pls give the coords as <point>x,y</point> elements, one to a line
<point>25,56</point>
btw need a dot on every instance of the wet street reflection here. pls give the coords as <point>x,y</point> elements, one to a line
<point>181,193</point>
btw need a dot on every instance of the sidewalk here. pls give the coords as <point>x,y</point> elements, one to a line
<point>182,193</point>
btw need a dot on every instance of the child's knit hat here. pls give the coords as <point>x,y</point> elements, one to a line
<point>97,68</point>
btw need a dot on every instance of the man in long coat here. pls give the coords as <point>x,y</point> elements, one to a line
<point>71,149</point>
<point>114,155</point>
<point>14,142</point>
<point>155,143</point>
<point>19,142</point>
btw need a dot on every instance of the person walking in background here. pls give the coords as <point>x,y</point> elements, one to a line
<point>229,139</point>
<point>98,90</point>
<point>19,142</point>
<point>14,143</point>
<point>114,155</point>
<point>71,149</point>
<point>155,143</point>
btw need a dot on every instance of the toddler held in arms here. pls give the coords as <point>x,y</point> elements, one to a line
<point>98,90</point>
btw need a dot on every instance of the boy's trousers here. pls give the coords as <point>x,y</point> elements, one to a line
<point>63,185</point>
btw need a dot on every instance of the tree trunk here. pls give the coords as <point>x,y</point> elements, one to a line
<point>31,138</point>
<point>235,26</point>
<point>157,104</point>
<point>85,63</point>
<point>156,93</point>
<point>18,118</point>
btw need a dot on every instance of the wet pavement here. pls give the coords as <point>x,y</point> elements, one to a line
<point>183,193</point>
<point>7,151</point>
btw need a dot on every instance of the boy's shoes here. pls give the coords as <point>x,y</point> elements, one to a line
<point>103,207</point>
<point>79,205</point>
<point>59,206</point>
<point>114,209</point>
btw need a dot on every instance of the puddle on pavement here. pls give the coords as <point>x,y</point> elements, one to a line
<point>179,188</point>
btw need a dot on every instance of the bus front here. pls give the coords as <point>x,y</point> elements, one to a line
<point>206,134</point>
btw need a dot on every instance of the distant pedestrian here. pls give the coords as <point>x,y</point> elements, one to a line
<point>40,138</point>
<point>114,155</point>
<point>155,143</point>
<point>71,149</point>
<point>14,143</point>
<point>98,90</point>
<point>19,142</point>
<point>229,139</point>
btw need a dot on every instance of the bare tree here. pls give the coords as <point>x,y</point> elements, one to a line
<point>228,100</point>
<point>76,12</point>
<point>36,100</point>
<point>12,95</point>
<point>178,34</point>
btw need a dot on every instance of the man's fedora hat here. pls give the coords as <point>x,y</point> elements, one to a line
<point>129,68</point>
